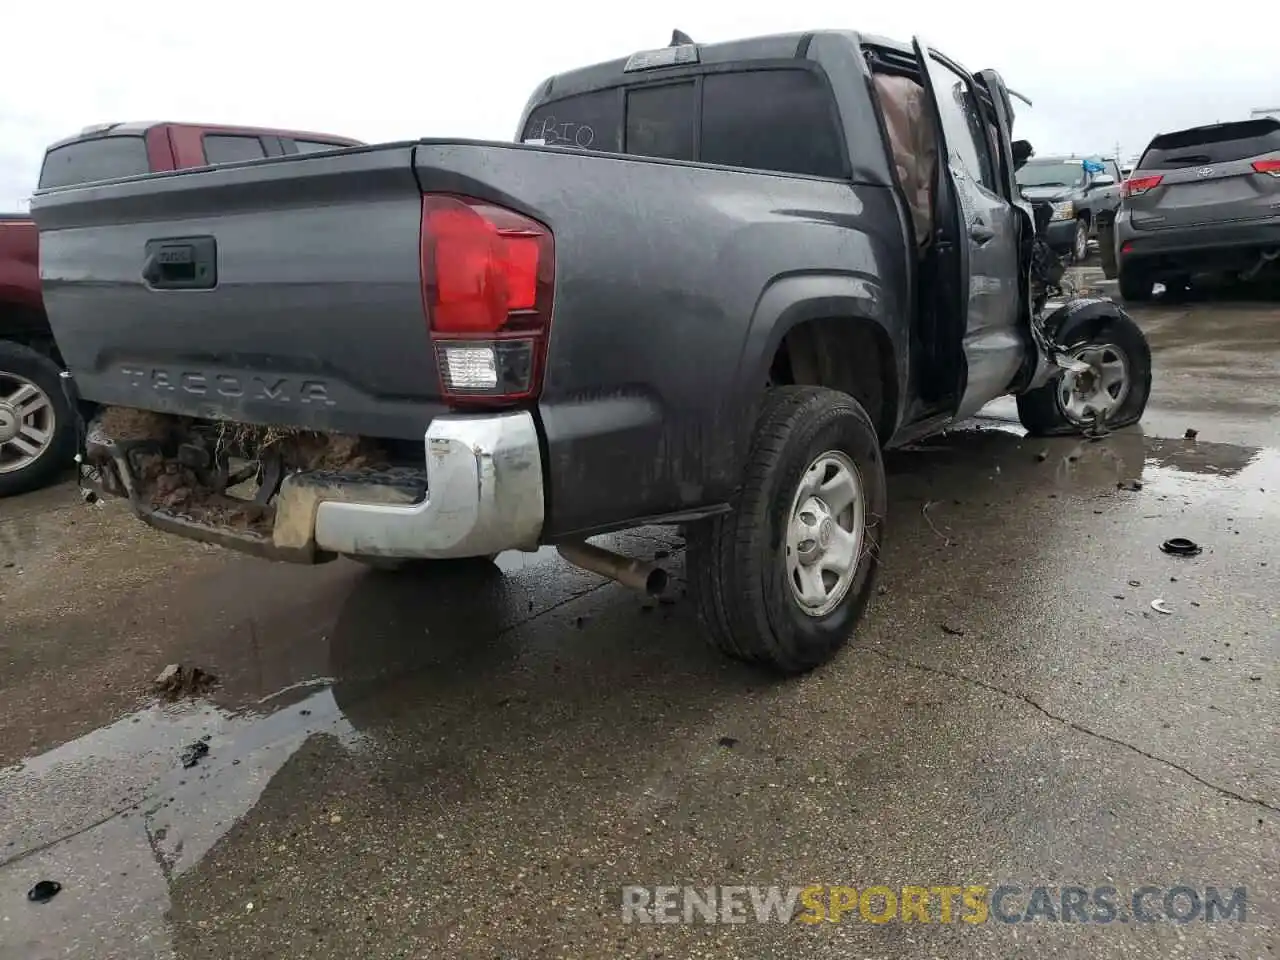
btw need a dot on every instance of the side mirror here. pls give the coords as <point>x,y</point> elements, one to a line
<point>1102,180</point>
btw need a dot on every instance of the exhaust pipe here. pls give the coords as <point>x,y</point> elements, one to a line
<point>637,574</point>
<point>1266,257</point>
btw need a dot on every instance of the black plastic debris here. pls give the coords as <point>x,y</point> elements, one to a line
<point>44,891</point>
<point>192,753</point>
<point>952,631</point>
<point>1191,433</point>
<point>728,742</point>
<point>1180,547</point>
<point>1129,485</point>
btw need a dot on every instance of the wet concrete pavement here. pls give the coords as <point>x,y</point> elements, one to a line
<point>473,763</point>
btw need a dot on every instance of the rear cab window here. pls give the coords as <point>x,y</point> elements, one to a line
<point>232,148</point>
<point>99,158</point>
<point>1221,143</point>
<point>777,119</point>
<point>316,146</point>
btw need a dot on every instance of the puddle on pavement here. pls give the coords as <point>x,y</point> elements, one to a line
<point>115,818</point>
<point>994,443</point>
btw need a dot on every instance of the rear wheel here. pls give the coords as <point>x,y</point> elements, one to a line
<point>784,579</point>
<point>1135,285</point>
<point>37,429</point>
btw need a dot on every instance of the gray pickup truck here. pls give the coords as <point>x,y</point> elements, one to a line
<point>708,287</point>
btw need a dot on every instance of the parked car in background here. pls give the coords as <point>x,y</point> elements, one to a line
<point>1080,199</point>
<point>36,433</point>
<point>1205,199</point>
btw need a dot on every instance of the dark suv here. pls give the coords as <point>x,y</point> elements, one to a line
<point>1081,199</point>
<point>1201,200</point>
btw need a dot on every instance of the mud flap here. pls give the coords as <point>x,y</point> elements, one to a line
<point>1107,245</point>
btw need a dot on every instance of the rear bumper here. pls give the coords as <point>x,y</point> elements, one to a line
<point>480,492</point>
<point>1219,244</point>
<point>484,495</point>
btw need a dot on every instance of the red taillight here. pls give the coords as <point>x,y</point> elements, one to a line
<point>1137,186</point>
<point>1269,167</point>
<point>486,278</point>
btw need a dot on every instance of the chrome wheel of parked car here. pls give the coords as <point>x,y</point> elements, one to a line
<point>28,422</point>
<point>824,535</point>
<point>37,424</point>
<point>1080,245</point>
<point>1102,389</point>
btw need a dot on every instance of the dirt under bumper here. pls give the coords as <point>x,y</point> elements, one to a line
<point>479,492</point>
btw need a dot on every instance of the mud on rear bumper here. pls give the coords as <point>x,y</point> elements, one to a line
<point>480,492</point>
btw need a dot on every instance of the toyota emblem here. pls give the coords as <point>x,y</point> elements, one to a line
<point>1205,172</point>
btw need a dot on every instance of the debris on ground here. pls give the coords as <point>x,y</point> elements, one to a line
<point>728,742</point>
<point>1191,433</point>
<point>192,753</point>
<point>953,631</point>
<point>44,891</point>
<point>1180,547</point>
<point>175,680</point>
<point>1159,606</point>
<point>1129,485</point>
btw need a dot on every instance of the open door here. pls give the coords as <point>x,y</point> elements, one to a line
<point>992,344</point>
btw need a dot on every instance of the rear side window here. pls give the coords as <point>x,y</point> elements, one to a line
<point>662,121</point>
<point>221,148</point>
<point>770,120</point>
<point>1222,143</point>
<point>86,161</point>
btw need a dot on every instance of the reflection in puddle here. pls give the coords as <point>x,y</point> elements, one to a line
<point>116,864</point>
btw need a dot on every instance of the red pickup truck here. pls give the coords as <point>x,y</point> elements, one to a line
<point>36,433</point>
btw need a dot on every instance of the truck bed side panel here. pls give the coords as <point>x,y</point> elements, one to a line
<point>316,320</point>
<point>661,270</point>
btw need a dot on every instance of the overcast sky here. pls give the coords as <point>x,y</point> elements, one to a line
<point>1099,74</point>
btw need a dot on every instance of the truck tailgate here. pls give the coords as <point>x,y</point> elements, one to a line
<point>277,292</point>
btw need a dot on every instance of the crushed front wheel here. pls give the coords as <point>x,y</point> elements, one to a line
<point>784,578</point>
<point>1114,391</point>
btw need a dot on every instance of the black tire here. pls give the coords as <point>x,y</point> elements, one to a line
<point>736,561</point>
<point>1135,286</point>
<point>1080,241</point>
<point>57,456</point>
<point>1040,410</point>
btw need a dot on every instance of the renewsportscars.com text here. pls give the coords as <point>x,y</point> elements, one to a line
<point>961,903</point>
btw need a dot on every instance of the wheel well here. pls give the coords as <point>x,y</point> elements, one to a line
<point>1086,215</point>
<point>28,326</point>
<point>849,354</point>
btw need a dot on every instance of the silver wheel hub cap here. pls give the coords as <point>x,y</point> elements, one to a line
<point>825,533</point>
<point>27,422</point>
<point>1102,389</point>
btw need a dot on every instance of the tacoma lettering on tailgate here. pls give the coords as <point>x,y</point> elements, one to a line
<point>252,387</point>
